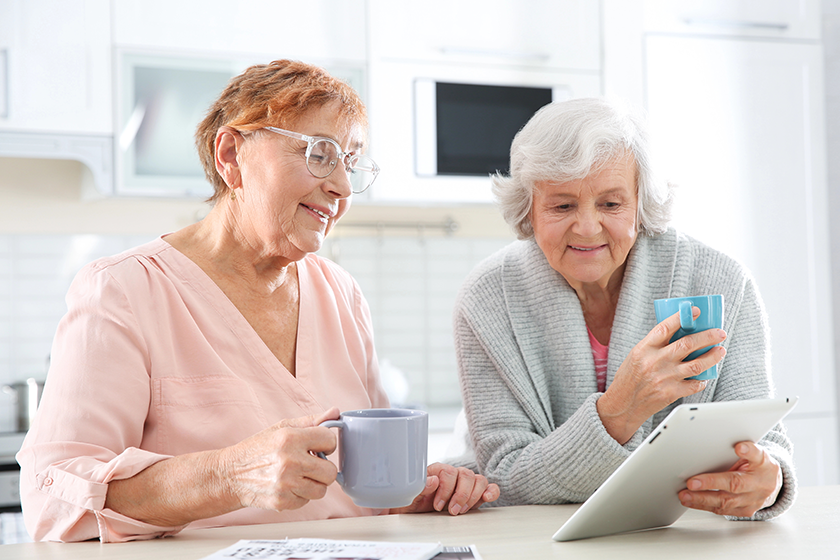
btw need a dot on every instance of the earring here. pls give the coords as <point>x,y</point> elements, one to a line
<point>232,194</point>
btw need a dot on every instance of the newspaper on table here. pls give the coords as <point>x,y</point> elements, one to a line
<point>326,549</point>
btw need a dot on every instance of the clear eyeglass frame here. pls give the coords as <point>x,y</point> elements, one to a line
<point>361,169</point>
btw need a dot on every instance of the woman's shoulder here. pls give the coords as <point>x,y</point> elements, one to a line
<point>124,266</point>
<point>509,268</point>
<point>696,265</point>
<point>491,267</point>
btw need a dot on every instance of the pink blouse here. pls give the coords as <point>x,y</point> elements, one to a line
<point>152,360</point>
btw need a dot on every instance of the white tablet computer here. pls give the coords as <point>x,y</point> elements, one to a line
<point>692,439</point>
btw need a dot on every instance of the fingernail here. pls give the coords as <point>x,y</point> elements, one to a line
<point>439,505</point>
<point>685,499</point>
<point>454,510</point>
<point>694,484</point>
<point>428,483</point>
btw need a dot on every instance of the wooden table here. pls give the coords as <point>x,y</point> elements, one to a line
<point>810,530</point>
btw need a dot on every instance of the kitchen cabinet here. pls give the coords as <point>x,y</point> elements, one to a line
<point>738,126</point>
<point>161,99</point>
<point>313,31</point>
<point>537,43</point>
<point>774,19</point>
<point>560,34</point>
<point>173,60</point>
<point>57,62</point>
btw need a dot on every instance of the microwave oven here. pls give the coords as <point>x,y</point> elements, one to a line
<point>465,129</point>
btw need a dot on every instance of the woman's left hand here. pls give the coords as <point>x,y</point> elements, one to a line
<point>456,489</point>
<point>752,483</point>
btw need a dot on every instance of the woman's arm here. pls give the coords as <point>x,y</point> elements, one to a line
<point>762,483</point>
<point>531,463</point>
<point>275,470</point>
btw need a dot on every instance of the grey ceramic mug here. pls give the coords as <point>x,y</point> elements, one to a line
<point>382,455</point>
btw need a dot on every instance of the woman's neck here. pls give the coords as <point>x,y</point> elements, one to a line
<point>598,301</point>
<point>223,251</point>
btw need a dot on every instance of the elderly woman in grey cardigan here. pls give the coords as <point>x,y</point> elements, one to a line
<point>563,368</point>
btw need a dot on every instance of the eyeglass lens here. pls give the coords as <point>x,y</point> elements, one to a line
<point>323,158</point>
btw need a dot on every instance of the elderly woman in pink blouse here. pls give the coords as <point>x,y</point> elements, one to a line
<point>190,374</point>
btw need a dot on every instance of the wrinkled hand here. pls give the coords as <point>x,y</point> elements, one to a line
<point>276,469</point>
<point>653,375</point>
<point>752,483</point>
<point>456,489</point>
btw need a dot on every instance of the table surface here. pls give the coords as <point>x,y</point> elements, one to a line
<point>809,531</point>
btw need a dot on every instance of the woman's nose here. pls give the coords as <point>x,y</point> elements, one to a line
<point>338,183</point>
<point>588,223</point>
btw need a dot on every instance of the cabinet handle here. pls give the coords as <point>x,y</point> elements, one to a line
<point>460,51</point>
<point>736,24</point>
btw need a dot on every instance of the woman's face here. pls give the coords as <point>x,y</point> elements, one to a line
<point>586,227</point>
<point>284,208</point>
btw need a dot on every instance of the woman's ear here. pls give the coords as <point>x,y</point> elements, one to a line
<point>228,143</point>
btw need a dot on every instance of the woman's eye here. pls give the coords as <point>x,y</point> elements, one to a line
<point>612,204</point>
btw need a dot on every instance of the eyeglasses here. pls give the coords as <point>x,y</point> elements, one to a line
<point>323,154</point>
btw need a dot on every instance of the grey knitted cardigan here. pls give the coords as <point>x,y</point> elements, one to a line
<point>528,377</point>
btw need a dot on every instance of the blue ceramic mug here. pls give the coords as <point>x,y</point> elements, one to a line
<point>382,455</point>
<point>711,317</point>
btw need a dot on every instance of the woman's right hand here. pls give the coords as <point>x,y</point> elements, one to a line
<point>278,468</point>
<point>653,375</point>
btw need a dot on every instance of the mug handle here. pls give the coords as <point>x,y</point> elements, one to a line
<point>687,322</point>
<point>332,424</point>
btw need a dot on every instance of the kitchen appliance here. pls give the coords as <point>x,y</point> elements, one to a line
<point>27,395</point>
<point>10,471</point>
<point>466,128</point>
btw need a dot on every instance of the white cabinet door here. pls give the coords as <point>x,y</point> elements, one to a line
<point>563,34</point>
<point>58,66</point>
<point>739,127</point>
<point>314,31</point>
<point>776,19</point>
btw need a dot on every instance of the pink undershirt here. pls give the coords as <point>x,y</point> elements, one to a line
<point>599,353</point>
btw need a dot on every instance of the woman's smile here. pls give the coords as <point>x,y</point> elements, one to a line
<point>320,213</point>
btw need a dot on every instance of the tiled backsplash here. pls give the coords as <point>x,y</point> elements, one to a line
<point>410,283</point>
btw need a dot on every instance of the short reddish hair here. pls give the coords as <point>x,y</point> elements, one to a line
<point>275,94</point>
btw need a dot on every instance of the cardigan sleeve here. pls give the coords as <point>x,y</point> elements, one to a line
<point>530,464</point>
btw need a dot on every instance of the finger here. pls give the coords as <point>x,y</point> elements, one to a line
<point>463,491</point>
<point>474,500</point>
<point>734,482</point>
<point>684,346</point>
<point>309,489</point>
<point>448,478</point>
<point>701,363</point>
<point>316,469</point>
<point>491,494</point>
<point>663,332</point>
<point>723,503</point>
<point>750,452</point>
